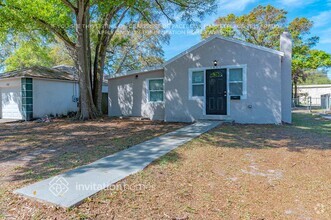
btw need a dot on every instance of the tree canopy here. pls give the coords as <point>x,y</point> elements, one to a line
<point>87,27</point>
<point>264,25</point>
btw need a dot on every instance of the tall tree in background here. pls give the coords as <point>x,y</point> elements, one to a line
<point>27,52</point>
<point>313,77</point>
<point>71,20</point>
<point>137,45</point>
<point>263,26</point>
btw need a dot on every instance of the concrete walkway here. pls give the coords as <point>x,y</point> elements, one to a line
<point>71,188</point>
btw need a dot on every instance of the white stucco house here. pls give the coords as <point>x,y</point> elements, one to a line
<point>314,92</point>
<point>37,91</point>
<point>219,78</point>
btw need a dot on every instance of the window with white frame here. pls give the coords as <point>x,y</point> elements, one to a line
<point>197,85</point>
<point>155,90</point>
<point>236,82</point>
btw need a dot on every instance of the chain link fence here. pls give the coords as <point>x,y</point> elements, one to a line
<point>322,104</point>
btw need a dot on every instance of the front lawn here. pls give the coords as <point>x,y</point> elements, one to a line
<point>232,172</point>
<point>33,151</point>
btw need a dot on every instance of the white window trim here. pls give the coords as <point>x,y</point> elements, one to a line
<point>244,81</point>
<point>202,99</point>
<point>190,85</point>
<point>148,91</point>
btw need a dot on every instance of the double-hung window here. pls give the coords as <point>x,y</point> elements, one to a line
<point>197,83</point>
<point>155,90</point>
<point>236,82</point>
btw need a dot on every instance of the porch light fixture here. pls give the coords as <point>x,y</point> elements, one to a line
<point>215,62</point>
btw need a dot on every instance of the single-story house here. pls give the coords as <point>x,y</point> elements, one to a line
<point>314,92</point>
<point>218,79</point>
<point>37,91</point>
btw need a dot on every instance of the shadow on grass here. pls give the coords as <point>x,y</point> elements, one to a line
<point>77,145</point>
<point>312,133</point>
<point>50,149</point>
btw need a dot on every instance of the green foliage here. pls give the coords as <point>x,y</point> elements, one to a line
<point>136,46</point>
<point>87,27</point>
<point>263,26</point>
<point>30,53</point>
<point>315,77</point>
<point>33,52</point>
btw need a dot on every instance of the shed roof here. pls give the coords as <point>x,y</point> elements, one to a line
<point>40,72</point>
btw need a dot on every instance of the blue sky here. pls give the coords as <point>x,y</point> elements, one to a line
<point>317,10</point>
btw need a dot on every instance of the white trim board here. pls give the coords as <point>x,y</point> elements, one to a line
<point>148,91</point>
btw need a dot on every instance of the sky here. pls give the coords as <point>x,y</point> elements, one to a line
<point>318,11</point>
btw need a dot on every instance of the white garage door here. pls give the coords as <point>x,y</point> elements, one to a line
<point>10,103</point>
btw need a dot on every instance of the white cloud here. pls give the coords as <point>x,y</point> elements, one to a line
<point>322,19</point>
<point>233,5</point>
<point>295,3</point>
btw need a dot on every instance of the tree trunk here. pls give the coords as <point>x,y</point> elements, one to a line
<point>98,69</point>
<point>104,37</point>
<point>87,109</point>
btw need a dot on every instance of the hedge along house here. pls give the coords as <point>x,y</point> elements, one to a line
<point>37,91</point>
<point>218,79</point>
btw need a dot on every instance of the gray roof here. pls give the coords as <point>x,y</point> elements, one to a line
<point>40,72</point>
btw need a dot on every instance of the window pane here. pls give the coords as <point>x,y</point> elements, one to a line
<point>236,74</point>
<point>156,96</point>
<point>197,77</point>
<point>156,84</point>
<point>197,90</point>
<point>236,89</point>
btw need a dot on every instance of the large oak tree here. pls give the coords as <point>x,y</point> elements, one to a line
<point>74,21</point>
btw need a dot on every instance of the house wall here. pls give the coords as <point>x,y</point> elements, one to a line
<point>315,92</point>
<point>53,97</point>
<point>16,99</point>
<point>128,97</point>
<point>263,83</point>
<point>286,47</point>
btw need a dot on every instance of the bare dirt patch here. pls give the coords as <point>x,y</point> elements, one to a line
<point>34,151</point>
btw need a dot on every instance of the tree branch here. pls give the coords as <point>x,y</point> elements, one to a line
<point>70,5</point>
<point>57,31</point>
<point>142,14</point>
<point>163,12</point>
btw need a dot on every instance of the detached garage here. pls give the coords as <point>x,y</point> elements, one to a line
<point>37,91</point>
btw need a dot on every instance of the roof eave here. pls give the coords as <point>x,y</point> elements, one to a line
<point>134,72</point>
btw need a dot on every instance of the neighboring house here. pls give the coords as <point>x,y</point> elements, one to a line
<point>38,91</point>
<point>315,92</point>
<point>219,78</point>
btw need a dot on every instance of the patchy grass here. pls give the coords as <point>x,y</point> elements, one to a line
<point>232,172</point>
<point>34,151</point>
<point>312,122</point>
